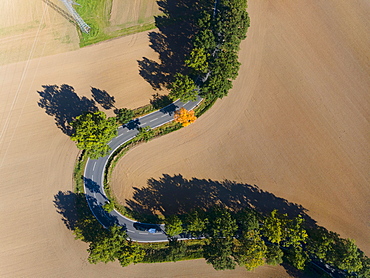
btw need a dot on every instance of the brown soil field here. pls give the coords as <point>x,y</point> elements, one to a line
<point>296,123</point>
<point>298,128</point>
<point>128,13</point>
<point>30,29</point>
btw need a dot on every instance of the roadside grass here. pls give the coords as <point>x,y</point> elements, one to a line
<point>78,173</point>
<point>97,15</point>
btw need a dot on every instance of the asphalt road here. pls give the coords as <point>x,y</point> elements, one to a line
<point>94,176</point>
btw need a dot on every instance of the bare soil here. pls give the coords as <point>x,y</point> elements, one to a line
<point>30,29</point>
<point>295,124</point>
<point>126,13</point>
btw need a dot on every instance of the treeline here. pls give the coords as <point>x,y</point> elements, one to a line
<point>249,239</point>
<point>213,63</point>
<point>226,239</point>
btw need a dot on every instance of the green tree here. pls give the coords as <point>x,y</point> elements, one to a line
<point>364,272</point>
<point>183,87</point>
<point>145,133</point>
<point>198,60</point>
<point>216,86</point>
<point>273,227</point>
<point>320,242</point>
<point>221,223</point>
<point>297,257</point>
<point>92,132</point>
<point>218,252</point>
<point>124,115</point>
<point>108,206</point>
<point>115,246</point>
<point>176,250</point>
<point>345,255</point>
<point>251,250</point>
<point>173,226</point>
<point>274,255</point>
<point>196,223</point>
<point>247,220</point>
<point>294,233</point>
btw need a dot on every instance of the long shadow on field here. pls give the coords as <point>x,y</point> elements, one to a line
<point>176,195</point>
<point>64,105</point>
<point>103,98</point>
<point>173,40</point>
<point>77,216</point>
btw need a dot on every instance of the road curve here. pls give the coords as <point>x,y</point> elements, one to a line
<point>95,168</point>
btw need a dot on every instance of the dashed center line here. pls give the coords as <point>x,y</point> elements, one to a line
<point>153,120</point>
<point>94,166</point>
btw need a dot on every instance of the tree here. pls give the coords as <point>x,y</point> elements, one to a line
<point>221,223</point>
<point>176,250</point>
<point>364,272</point>
<point>124,115</point>
<point>92,132</point>
<point>320,242</point>
<point>297,257</point>
<point>251,250</point>
<point>273,228</point>
<point>247,220</point>
<point>108,206</point>
<point>218,252</point>
<point>115,246</point>
<point>329,247</point>
<point>196,224</point>
<point>173,226</point>
<point>345,255</point>
<point>274,255</point>
<point>198,60</point>
<point>183,87</point>
<point>184,116</point>
<point>145,133</point>
<point>293,232</point>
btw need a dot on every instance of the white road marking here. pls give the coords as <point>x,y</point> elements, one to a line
<point>153,120</point>
<point>143,123</point>
<point>163,116</point>
<point>94,166</point>
<point>120,135</point>
<point>130,231</point>
<point>143,233</point>
<point>92,177</point>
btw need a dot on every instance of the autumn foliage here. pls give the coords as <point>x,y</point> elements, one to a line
<point>185,117</point>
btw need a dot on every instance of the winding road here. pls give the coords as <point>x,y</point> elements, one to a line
<point>95,168</point>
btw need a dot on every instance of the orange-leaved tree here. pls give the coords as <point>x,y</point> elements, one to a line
<point>185,117</point>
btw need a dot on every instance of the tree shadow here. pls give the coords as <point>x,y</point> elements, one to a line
<point>64,105</point>
<point>170,195</point>
<point>77,215</point>
<point>103,98</point>
<point>133,124</point>
<point>173,41</point>
<point>158,101</point>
